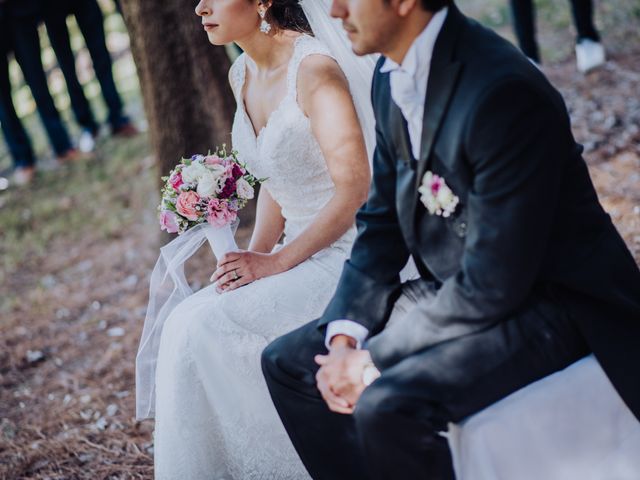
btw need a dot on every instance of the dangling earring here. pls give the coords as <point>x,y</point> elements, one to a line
<point>265,27</point>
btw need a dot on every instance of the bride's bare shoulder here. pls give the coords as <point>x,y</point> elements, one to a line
<point>320,73</point>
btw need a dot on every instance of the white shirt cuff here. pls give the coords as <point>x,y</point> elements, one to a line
<point>348,328</point>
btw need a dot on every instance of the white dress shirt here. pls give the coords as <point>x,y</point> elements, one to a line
<point>409,83</point>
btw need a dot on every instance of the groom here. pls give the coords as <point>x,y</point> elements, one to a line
<point>478,178</point>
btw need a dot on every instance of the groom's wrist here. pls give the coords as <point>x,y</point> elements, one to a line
<point>345,328</point>
<point>344,341</point>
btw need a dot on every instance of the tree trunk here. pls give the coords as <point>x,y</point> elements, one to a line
<point>188,101</point>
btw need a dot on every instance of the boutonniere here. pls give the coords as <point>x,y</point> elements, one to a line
<point>436,195</point>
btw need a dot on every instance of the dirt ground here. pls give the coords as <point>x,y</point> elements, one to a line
<point>71,307</point>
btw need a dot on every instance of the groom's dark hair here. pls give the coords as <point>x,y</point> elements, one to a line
<point>433,5</point>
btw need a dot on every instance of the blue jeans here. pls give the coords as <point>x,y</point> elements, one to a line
<point>14,133</point>
<point>524,24</point>
<point>26,42</point>
<point>90,20</point>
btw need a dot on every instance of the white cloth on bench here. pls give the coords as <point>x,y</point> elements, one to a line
<point>571,425</point>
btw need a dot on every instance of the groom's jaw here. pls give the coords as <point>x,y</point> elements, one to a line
<point>370,24</point>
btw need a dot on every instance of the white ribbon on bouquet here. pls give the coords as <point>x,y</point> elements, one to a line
<point>168,288</point>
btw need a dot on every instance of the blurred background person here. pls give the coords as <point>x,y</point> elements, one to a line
<point>22,19</point>
<point>14,133</point>
<point>91,23</point>
<point>589,51</point>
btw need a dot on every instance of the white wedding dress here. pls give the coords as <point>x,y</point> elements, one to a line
<point>214,416</point>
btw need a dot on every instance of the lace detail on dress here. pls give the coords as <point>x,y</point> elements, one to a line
<point>236,75</point>
<point>285,150</point>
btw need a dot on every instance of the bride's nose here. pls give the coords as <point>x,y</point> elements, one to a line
<point>202,9</point>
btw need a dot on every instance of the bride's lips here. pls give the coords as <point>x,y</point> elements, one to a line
<point>209,26</point>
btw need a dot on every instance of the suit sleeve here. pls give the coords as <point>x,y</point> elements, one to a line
<point>517,142</point>
<point>370,281</point>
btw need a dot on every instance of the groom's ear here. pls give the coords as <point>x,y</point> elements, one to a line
<point>404,7</point>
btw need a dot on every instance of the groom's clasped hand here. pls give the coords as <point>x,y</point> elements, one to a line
<point>339,378</point>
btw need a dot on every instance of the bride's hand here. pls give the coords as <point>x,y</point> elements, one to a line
<point>237,269</point>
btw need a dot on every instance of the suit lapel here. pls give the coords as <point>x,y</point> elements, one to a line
<point>443,76</point>
<point>402,134</point>
<point>441,86</point>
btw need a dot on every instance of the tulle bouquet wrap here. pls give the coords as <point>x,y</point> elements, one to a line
<point>201,199</point>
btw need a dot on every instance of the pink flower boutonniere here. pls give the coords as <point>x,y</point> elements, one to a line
<point>436,195</point>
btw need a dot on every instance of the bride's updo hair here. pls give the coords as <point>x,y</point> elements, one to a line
<point>288,15</point>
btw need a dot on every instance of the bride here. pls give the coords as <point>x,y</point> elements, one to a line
<point>297,126</point>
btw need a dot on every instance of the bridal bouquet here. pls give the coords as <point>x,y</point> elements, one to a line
<point>205,189</point>
<point>201,198</point>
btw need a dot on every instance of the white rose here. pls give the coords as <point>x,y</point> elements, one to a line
<point>244,189</point>
<point>216,170</point>
<point>207,185</point>
<point>445,195</point>
<point>193,172</point>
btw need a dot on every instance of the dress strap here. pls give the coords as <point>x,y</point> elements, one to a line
<point>304,46</point>
<point>237,74</point>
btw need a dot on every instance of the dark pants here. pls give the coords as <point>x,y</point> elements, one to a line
<point>524,24</point>
<point>26,42</point>
<point>393,432</point>
<point>14,133</point>
<point>91,23</point>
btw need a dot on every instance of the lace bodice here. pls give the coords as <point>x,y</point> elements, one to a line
<point>285,151</point>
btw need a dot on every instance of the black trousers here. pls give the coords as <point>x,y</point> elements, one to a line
<point>91,23</point>
<point>524,24</point>
<point>26,44</point>
<point>394,430</point>
<point>14,133</point>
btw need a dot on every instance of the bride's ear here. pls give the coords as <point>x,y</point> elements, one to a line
<point>263,6</point>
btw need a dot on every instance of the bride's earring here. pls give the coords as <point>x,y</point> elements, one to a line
<point>265,27</point>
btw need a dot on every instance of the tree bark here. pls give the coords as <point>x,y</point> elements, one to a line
<point>188,101</point>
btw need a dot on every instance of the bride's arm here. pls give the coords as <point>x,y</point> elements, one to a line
<point>269,224</point>
<point>324,96</point>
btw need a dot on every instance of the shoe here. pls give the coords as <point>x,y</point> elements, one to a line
<point>70,155</point>
<point>589,55</point>
<point>126,130</point>
<point>87,141</point>
<point>23,176</point>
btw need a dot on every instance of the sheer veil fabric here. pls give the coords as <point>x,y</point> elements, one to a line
<point>358,70</point>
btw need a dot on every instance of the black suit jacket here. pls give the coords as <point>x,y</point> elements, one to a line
<point>529,232</point>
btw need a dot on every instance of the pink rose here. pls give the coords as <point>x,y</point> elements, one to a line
<point>176,180</point>
<point>212,160</point>
<point>168,221</point>
<point>186,205</point>
<point>218,213</point>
